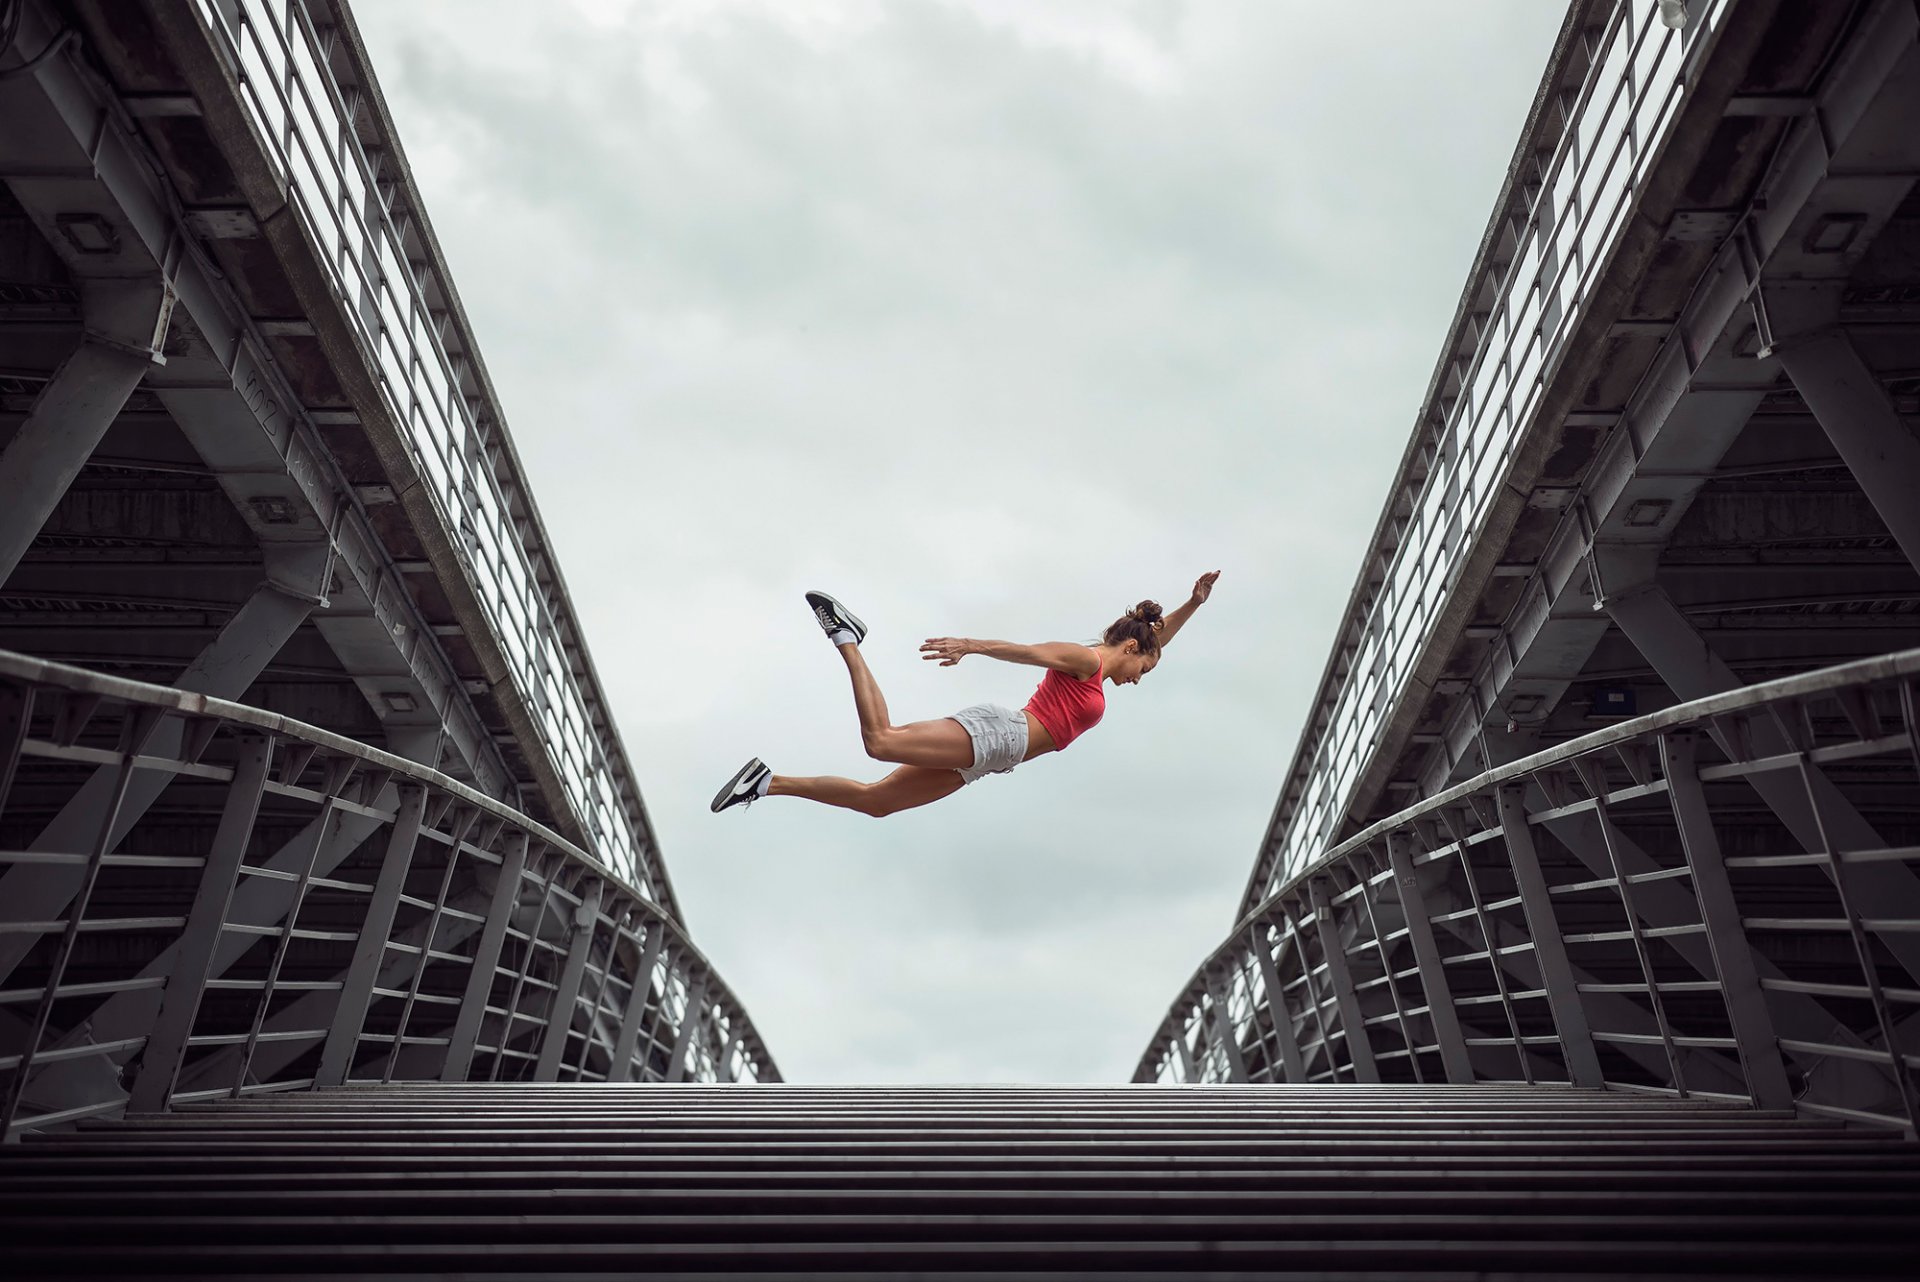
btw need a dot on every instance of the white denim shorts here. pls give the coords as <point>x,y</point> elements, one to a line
<point>999,739</point>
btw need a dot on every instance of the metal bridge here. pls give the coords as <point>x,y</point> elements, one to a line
<point>306,776</point>
<point>1614,778</point>
<point>332,926</point>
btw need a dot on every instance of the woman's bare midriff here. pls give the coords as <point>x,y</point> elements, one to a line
<point>1038,740</point>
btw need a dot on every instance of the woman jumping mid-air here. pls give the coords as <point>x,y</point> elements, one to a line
<point>937,758</point>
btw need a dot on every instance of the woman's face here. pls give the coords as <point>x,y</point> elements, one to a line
<point>1132,665</point>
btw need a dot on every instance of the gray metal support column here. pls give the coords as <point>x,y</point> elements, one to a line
<point>126,324</point>
<point>35,892</point>
<point>1290,1057</point>
<point>356,991</point>
<point>1857,415</point>
<point>1433,976</point>
<point>1220,990</point>
<point>1359,1045</point>
<point>689,1025</point>
<point>1549,946</point>
<point>621,1067</point>
<point>586,921</point>
<point>486,956</point>
<point>1753,1031</point>
<point>180,1002</point>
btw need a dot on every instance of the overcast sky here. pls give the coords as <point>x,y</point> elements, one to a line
<point>990,317</point>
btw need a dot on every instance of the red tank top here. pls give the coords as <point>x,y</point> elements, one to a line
<point>1068,707</point>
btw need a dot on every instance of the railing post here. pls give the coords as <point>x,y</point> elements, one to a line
<point>1426,953</point>
<point>1313,998</point>
<point>486,956</point>
<point>356,991</point>
<point>16,708</point>
<point>167,1044</point>
<point>1549,946</point>
<point>586,921</point>
<point>689,1024</point>
<point>1219,990</point>
<point>620,1068</point>
<point>1290,1056</point>
<point>1359,1045</point>
<point>1753,1031</point>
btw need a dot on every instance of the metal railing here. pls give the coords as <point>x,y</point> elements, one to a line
<point>1539,269</point>
<point>384,266</point>
<point>1713,900</point>
<point>298,909</point>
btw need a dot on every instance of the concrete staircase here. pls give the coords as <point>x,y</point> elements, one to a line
<point>1055,1182</point>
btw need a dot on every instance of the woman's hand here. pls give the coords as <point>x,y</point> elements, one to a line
<point>947,650</point>
<point>1203,586</point>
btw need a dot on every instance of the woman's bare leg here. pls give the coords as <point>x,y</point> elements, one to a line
<point>940,745</point>
<point>904,789</point>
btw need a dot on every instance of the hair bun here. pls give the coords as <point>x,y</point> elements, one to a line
<point>1147,612</point>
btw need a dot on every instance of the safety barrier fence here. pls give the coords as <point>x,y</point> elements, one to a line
<point>1713,900</point>
<point>1545,257</point>
<point>294,908</point>
<point>304,86</point>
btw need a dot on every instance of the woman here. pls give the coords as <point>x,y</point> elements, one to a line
<point>938,758</point>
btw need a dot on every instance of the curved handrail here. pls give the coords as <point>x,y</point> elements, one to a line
<point>1891,677</point>
<point>576,865</point>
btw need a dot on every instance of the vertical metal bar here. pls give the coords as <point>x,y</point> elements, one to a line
<point>1596,783</point>
<point>512,1015</point>
<point>1359,1045</point>
<point>1910,717</point>
<point>180,1002</point>
<point>1188,1063</point>
<point>1433,976</point>
<point>1219,989</point>
<point>1290,1057</point>
<point>1753,1032</point>
<point>432,933</point>
<point>1863,951</point>
<point>566,997</point>
<point>598,1006</point>
<point>726,1053</point>
<point>1459,834</point>
<point>287,928</point>
<point>16,713</point>
<point>486,960</point>
<point>356,990</point>
<point>696,1008</point>
<point>1386,970</point>
<point>134,727</point>
<point>1549,946</point>
<point>1313,998</point>
<point>621,1068</point>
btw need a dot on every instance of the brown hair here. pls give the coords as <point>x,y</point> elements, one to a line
<point>1141,624</point>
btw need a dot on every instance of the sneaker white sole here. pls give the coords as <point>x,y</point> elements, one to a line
<point>742,787</point>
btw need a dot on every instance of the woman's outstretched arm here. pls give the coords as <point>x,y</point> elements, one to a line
<point>1063,656</point>
<point>1172,623</point>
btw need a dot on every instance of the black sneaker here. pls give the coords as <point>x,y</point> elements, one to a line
<point>744,788</point>
<point>834,617</point>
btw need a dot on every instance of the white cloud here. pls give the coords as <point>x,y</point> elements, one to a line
<point>992,318</point>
